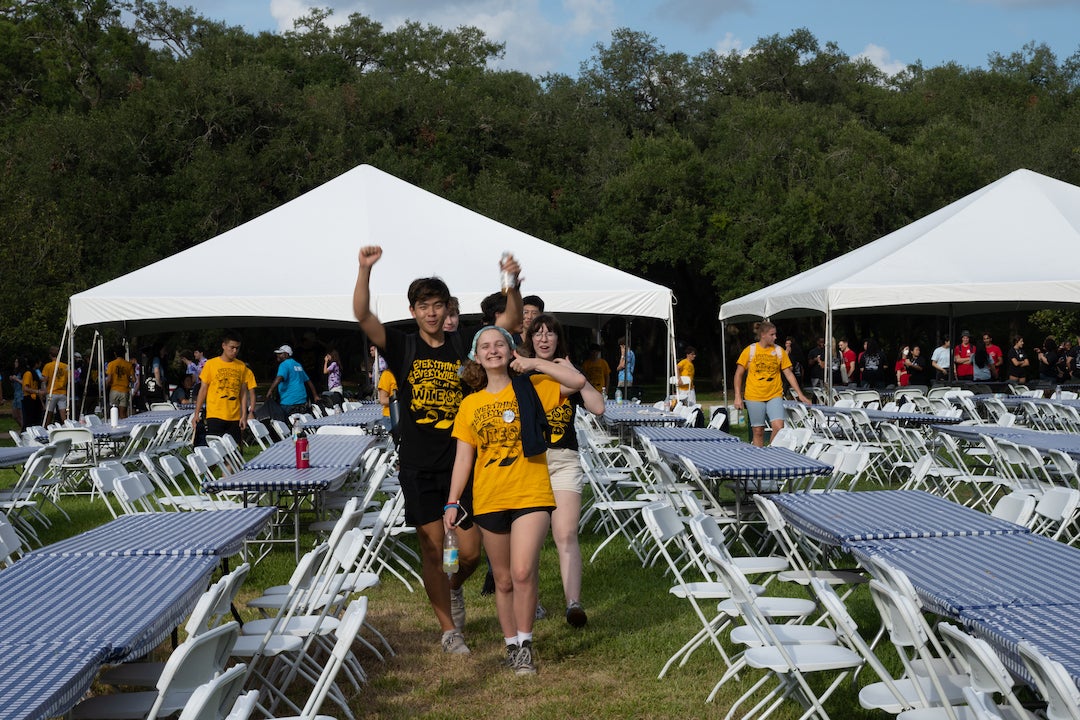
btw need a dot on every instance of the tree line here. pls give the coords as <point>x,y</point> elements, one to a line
<point>132,129</point>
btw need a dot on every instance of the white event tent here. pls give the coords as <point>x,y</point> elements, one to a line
<point>297,264</point>
<point>1014,244</point>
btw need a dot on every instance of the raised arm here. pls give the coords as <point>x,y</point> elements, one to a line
<point>369,322</point>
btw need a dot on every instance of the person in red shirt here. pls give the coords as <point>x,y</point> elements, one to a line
<point>996,357</point>
<point>903,379</point>
<point>962,357</point>
<point>849,358</point>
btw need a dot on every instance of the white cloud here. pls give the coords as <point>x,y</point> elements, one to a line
<point>882,59</point>
<point>536,34</point>
<point>729,44</point>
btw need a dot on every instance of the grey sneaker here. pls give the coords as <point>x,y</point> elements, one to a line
<point>541,613</point>
<point>575,615</point>
<point>511,654</point>
<point>523,660</point>
<point>453,642</point>
<point>457,607</point>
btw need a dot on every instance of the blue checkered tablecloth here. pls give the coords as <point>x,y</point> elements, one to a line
<point>891,416</point>
<point>336,451</point>
<point>155,417</point>
<point>291,479</point>
<point>124,605</point>
<point>955,575</point>
<point>741,461</point>
<point>44,679</point>
<point>12,456</point>
<point>654,433</point>
<point>219,533</point>
<point>365,415</point>
<point>1065,442</point>
<point>843,518</point>
<point>634,414</point>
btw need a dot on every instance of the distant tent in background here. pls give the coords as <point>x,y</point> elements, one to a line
<point>298,262</point>
<point>1013,245</point>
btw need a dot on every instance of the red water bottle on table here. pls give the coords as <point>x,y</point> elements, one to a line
<point>302,452</point>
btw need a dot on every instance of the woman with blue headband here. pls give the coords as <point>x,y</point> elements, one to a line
<point>496,429</point>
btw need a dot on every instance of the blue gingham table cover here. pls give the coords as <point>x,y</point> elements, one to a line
<point>337,451</point>
<point>654,433</point>
<point>634,414</point>
<point>1050,628</point>
<point>955,575</point>
<point>742,461</point>
<point>892,416</point>
<point>368,413</point>
<point>290,479</point>
<point>1040,440</point>
<point>154,417</point>
<point>218,533</point>
<point>843,518</point>
<point>124,605</point>
<point>45,679</point>
<point>12,456</point>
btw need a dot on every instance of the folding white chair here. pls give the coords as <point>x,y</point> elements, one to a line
<point>136,493</point>
<point>260,432</point>
<point>986,673</point>
<point>193,663</point>
<point>1015,507</point>
<point>786,664</point>
<point>1056,513</point>
<point>281,428</point>
<point>1055,684</point>
<point>324,685</point>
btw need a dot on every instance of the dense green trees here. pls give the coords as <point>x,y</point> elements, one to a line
<point>130,130</point>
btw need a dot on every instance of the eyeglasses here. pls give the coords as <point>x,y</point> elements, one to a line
<point>544,332</point>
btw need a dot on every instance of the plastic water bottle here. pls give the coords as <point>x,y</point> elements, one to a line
<point>302,460</point>
<point>450,552</point>
<point>618,395</point>
<point>507,280</point>
<point>114,416</point>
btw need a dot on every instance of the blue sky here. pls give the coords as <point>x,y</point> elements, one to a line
<point>557,35</point>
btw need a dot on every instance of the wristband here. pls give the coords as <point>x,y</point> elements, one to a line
<point>447,506</point>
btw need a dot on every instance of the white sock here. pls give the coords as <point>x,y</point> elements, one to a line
<point>510,642</point>
<point>523,636</point>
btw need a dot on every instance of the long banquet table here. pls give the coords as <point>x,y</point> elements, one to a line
<point>333,451</point>
<point>1068,443</point>
<point>1001,581</point>
<point>366,414</point>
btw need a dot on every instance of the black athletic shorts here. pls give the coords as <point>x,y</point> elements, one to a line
<point>501,520</point>
<point>426,493</point>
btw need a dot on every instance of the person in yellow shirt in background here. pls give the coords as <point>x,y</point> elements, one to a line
<point>761,365</point>
<point>387,387</point>
<point>596,370</point>
<point>685,375</point>
<point>119,374</point>
<point>228,389</point>
<point>56,396</point>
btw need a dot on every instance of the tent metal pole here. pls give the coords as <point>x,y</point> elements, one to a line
<point>826,371</point>
<point>723,366</point>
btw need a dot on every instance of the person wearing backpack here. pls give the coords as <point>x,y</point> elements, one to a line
<point>426,364</point>
<point>871,366</point>
<point>761,365</point>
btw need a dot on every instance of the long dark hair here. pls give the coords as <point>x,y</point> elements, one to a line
<point>552,324</point>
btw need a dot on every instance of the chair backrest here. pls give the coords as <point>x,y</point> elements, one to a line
<point>984,667</point>
<point>260,432</point>
<point>1015,507</point>
<point>1053,681</point>
<point>281,428</point>
<point>216,700</point>
<point>11,546</point>
<point>193,663</point>
<point>136,492</point>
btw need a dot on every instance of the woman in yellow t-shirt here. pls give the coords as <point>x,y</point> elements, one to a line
<point>512,496</point>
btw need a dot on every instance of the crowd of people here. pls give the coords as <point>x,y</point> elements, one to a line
<point>970,360</point>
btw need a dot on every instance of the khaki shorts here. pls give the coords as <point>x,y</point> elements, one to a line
<point>564,467</point>
<point>119,399</point>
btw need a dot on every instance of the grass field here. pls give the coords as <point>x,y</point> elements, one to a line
<point>606,670</point>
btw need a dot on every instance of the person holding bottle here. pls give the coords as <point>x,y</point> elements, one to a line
<point>501,444</point>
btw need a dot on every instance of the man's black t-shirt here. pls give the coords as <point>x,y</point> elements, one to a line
<point>429,392</point>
